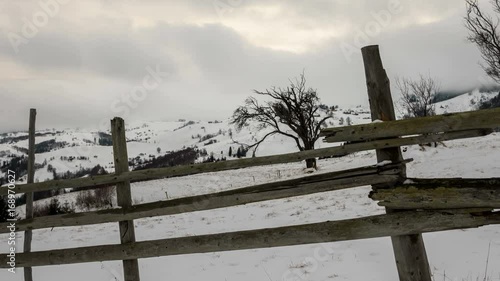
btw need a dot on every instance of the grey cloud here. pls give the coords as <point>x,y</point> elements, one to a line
<point>118,55</point>
<point>214,66</point>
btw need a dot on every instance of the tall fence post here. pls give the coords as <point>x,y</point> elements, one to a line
<point>123,194</point>
<point>28,234</point>
<point>409,250</point>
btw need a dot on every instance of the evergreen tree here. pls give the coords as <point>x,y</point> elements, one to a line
<point>230,151</point>
<point>243,151</point>
<point>492,103</point>
<point>4,210</point>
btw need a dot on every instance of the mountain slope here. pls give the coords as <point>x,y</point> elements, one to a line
<point>145,138</point>
<point>453,255</point>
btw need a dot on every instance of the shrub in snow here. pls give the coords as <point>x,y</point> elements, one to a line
<point>98,198</point>
<point>54,207</point>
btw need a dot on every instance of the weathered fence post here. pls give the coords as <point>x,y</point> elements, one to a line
<point>123,194</point>
<point>28,234</point>
<point>409,250</point>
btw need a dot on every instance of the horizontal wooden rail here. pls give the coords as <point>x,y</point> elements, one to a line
<point>441,194</point>
<point>269,191</point>
<point>481,119</point>
<point>149,174</point>
<point>394,224</point>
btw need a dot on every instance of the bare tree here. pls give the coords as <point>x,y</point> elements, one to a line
<point>483,31</point>
<point>291,112</point>
<point>417,96</point>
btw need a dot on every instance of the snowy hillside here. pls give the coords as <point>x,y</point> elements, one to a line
<point>370,259</point>
<point>465,102</point>
<point>145,138</point>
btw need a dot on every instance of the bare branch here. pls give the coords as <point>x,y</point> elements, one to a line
<point>483,31</point>
<point>294,107</point>
<point>417,96</point>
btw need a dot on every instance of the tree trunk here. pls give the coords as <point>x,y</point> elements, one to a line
<point>311,163</point>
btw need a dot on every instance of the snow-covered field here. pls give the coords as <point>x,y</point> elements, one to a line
<point>458,255</point>
<point>453,255</point>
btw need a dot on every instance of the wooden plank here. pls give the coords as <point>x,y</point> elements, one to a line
<point>28,234</point>
<point>481,119</point>
<point>124,195</point>
<point>395,224</point>
<point>409,250</point>
<point>251,194</point>
<point>149,174</point>
<point>441,194</point>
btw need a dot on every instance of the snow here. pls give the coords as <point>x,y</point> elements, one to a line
<point>458,255</point>
<point>465,102</point>
<point>384,163</point>
<point>329,261</point>
<point>408,181</point>
<point>309,170</point>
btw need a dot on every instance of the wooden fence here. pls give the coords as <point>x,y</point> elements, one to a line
<point>414,206</point>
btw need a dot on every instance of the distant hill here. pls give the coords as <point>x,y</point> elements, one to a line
<point>446,95</point>
<point>77,151</point>
<point>442,96</point>
<point>465,102</point>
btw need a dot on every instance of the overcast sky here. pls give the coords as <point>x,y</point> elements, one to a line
<point>82,62</point>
